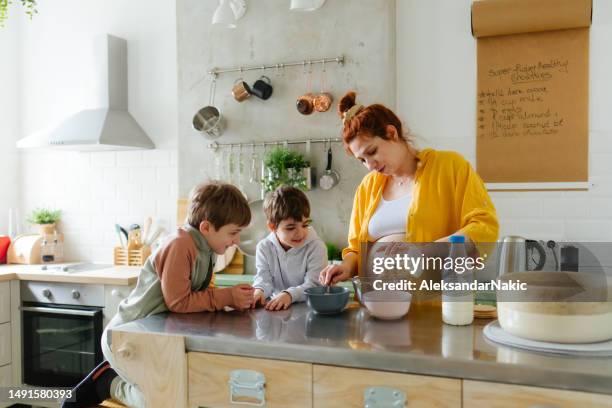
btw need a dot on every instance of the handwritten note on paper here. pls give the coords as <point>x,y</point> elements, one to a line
<point>532,107</point>
<point>522,108</point>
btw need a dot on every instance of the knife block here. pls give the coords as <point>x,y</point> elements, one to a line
<point>131,257</point>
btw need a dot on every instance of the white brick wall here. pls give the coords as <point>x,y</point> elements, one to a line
<point>97,190</point>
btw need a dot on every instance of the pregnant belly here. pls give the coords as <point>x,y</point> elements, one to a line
<point>392,238</point>
<point>379,249</point>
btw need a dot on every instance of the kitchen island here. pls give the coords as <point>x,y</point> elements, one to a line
<point>318,359</point>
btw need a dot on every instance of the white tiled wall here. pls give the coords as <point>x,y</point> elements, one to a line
<point>97,190</point>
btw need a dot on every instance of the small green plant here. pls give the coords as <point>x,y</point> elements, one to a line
<point>333,253</point>
<point>284,167</point>
<point>44,216</point>
<point>29,5</point>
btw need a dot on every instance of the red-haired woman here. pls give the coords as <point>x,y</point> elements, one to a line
<point>408,195</point>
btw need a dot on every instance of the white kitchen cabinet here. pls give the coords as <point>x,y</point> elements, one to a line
<point>5,302</point>
<point>15,330</point>
<point>113,295</point>
<point>6,380</point>
<point>5,344</point>
<point>5,376</point>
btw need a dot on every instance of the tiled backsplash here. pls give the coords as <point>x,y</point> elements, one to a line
<point>97,190</point>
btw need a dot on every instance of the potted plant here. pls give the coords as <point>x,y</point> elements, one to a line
<point>285,167</point>
<point>334,255</point>
<point>45,219</point>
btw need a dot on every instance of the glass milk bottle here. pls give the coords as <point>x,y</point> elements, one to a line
<point>457,306</point>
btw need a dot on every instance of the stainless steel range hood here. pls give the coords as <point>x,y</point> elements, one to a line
<point>108,127</point>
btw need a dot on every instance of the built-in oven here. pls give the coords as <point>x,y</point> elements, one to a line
<point>62,325</point>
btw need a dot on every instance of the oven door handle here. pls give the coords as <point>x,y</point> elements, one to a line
<point>54,310</point>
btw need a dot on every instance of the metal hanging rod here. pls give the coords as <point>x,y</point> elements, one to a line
<point>278,65</point>
<point>215,145</point>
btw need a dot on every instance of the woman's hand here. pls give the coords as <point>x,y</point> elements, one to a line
<point>332,274</point>
<point>280,302</point>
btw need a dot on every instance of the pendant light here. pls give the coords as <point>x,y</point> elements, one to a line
<point>306,5</point>
<point>228,12</point>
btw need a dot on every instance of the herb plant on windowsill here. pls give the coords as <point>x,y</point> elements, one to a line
<point>285,167</point>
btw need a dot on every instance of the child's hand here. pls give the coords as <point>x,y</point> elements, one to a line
<point>258,297</point>
<point>242,295</point>
<point>280,302</point>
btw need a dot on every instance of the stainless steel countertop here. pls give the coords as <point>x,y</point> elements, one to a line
<point>418,344</point>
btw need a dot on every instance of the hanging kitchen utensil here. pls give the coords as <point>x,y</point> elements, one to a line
<point>262,88</point>
<point>331,177</point>
<point>231,163</point>
<point>241,173</point>
<point>208,120</point>
<point>253,169</point>
<point>218,165</point>
<point>322,101</point>
<point>304,104</point>
<point>264,172</point>
<point>241,90</point>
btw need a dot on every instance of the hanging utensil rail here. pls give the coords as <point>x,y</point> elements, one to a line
<point>278,65</point>
<point>215,145</point>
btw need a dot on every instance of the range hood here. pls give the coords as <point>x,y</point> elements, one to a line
<point>107,127</point>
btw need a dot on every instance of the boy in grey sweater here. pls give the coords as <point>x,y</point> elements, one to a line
<point>289,260</point>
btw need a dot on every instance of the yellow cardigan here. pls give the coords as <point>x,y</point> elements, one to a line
<point>448,197</point>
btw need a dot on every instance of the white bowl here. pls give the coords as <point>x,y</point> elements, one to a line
<point>387,304</point>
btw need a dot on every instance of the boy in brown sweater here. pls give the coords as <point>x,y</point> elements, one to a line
<point>176,278</point>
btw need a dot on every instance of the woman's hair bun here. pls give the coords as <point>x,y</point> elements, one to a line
<point>346,103</point>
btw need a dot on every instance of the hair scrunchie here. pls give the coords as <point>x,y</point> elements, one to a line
<point>350,114</point>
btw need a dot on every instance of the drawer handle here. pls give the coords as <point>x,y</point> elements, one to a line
<point>247,384</point>
<point>126,352</point>
<point>383,397</point>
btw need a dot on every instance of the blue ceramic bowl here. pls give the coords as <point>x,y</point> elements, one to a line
<point>327,303</point>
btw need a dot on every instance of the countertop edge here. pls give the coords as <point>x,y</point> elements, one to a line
<point>104,280</point>
<point>7,277</point>
<point>78,279</point>
<point>408,363</point>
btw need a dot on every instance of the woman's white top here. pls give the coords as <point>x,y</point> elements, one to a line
<point>389,217</point>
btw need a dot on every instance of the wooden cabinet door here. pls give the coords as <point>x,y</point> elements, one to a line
<point>344,387</point>
<point>479,394</point>
<point>287,384</point>
<point>156,363</point>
